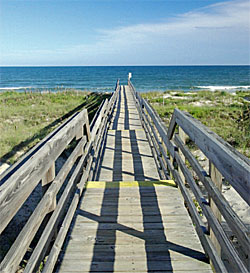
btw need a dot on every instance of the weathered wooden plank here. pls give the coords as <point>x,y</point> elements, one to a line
<point>50,175</point>
<point>222,238</point>
<point>131,240</point>
<point>173,125</point>
<point>200,228</point>
<point>183,137</point>
<point>134,199</point>
<point>101,136</point>
<point>199,225</point>
<point>133,266</point>
<point>99,120</point>
<point>79,133</point>
<point>231,164</point>
<point>160,129</point>
<point>5,175</point>
<point>29,175</point>
<point>168,246</point>
<point>134,210</point>
<point>169,192</point>
<point>43,243</point>
<point>52,259</point>
<point>169,223</point>
<point>92,124</point>
<point>154,143</point>
<point>230,216</point>
<point>54,253</point>
<point>143,218</point>
<point>146,234</point>
<point>96,226</point>
<point>216,177</point>
<point>18,187</point>
<point>136,253</point>
<point>19,247</point>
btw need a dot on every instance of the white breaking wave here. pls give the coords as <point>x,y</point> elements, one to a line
<point>215,88</point>
<point>15,88</point>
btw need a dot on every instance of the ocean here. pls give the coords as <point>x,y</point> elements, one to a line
<point>144,78</point>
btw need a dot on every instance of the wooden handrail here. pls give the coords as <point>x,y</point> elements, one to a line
<point>232,165</point>
<point>235,167</point>
<point>171,154</point>
<point>19,181</point>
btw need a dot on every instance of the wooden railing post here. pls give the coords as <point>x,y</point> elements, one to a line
<point>79,134</point>
<point>183,137</point>
<point>87,130</point>
<point>216,177</point>
<point>48,178</point>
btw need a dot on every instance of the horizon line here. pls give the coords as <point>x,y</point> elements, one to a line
<point>126,65</point>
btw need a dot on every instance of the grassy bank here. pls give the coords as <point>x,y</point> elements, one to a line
<point>226,114</point>
<point>27,118</point>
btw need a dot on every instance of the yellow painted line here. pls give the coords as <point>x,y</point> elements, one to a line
<point>126,184</point>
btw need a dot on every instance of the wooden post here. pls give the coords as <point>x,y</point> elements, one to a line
<point>79,134</point>
<point>216,177</point>
<point>87,130</point>
<point>46,181</point>
<point>183,137</point>
<point>49,176</point>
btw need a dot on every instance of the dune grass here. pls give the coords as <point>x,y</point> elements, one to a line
<point>27,118</point>
<point>228,115</point>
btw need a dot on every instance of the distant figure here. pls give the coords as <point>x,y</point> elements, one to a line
<point>129,75</point>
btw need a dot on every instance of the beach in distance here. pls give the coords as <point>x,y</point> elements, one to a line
<point>144,78</point>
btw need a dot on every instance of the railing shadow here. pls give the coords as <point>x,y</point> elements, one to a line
<point>148,199</point>
<point>91,107</point>
<point>117,113</point>
<point>155,248</point>
<point>126,112</point>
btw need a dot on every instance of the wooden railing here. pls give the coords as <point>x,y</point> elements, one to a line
<point>175,159</point>
<point>53,214</point>
<point>61,191</point>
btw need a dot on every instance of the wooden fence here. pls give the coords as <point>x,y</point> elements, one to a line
<point>171,148</point>
<point>175,159</point>
<point>38,166</point>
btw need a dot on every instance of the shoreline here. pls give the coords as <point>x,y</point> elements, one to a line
<point>56,89</point>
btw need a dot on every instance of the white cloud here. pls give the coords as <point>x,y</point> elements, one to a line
<point>215,34</point>
<point>227,15</point>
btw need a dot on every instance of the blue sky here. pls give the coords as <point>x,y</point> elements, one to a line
<point>124,32</point>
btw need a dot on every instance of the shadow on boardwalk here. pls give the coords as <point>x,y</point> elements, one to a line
<point>115,241</point>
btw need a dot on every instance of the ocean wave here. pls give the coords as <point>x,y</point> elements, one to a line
<point>215,88</point>
<point>16,88</point>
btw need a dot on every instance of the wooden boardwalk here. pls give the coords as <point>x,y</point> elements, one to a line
<point>128,220</point>
<point>107,208</point>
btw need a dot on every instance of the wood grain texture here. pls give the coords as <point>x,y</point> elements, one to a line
<point>46,205</point>
<point>126,226</point>
<point>55,218</point>
<point>232,165</point>
<point>19,186</point>
<point>230,251</point>
<point>233,220</point>
<point>102,113</point>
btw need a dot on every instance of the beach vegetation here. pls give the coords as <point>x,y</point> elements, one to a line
<point>227,114</point>
<point>26,118</point>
